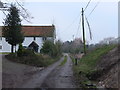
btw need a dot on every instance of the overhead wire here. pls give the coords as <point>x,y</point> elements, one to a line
<point>88,21</point>
<point>72,22</point>
<point>89,27</point>
<point>78,27</point>
<point>80,17</point>
<point>87,5</point>
<point>94,8</point>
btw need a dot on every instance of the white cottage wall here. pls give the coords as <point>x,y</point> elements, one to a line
<point>39,41</point>
<point>50,38</point>
<point>7,47</point>
<point>27,41</point>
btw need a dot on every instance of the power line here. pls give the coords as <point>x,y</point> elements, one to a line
<point>73,22</point>
<point>78,27</point>
<point>94,8</point>
<point>89,28</point>
<point>87,5</point>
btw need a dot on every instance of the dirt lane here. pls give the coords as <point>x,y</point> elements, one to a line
<point>37,80</point>
<point>61,77</point>
<point>17,75</point>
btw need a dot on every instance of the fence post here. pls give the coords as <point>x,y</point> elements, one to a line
<point>75,61</point>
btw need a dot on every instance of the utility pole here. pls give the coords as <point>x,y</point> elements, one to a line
<point>83,31</point>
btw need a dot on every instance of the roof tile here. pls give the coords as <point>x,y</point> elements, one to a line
<point>31,31</point>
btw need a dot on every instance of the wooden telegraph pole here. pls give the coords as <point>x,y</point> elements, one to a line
<point>83,31</point>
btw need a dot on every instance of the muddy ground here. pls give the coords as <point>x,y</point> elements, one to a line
<point>17,75</point>
<point>61,77</point>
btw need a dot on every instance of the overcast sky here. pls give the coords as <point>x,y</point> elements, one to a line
<point>66,17</point>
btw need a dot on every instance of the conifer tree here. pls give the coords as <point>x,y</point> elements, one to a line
<point>12,27</point>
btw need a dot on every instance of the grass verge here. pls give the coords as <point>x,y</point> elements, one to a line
<point>4,52</point>
<point>73,60</point>
<point>87,64</point>
<point>64,61</point>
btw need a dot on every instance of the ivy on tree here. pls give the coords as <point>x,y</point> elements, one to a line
<point>12,27</point>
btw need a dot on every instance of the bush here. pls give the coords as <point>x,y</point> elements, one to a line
<point>24,52</point>
<point>37,60</point>
<point>26,56</point>
<point>51,49</point>
<point>20,50</point>
<point>33,60</point>
<point>27,52</point>
<point>47,47</point>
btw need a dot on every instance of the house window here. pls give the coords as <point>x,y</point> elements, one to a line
<point>44,38</point>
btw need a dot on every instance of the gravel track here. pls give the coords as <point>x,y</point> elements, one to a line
<point>17,75</point>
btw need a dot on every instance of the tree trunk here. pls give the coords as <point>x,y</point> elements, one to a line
<point>12,47</point>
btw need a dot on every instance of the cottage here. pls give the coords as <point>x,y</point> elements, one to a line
<point>38,34</point>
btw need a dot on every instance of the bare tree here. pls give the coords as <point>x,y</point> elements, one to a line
<point>23,12</point>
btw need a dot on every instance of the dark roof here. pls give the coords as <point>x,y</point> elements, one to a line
<point>33,44</point>
<point>38,31</point>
